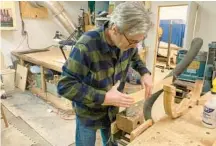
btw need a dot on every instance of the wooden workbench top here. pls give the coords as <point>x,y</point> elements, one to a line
<point>52,59</point>
<point>184,131</point>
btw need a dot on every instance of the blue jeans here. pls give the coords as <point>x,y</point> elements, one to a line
<point>86,136</point>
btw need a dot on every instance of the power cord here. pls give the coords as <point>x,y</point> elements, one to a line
<point>25,34</point>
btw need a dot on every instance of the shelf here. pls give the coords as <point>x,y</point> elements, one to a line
<point>58,102</point>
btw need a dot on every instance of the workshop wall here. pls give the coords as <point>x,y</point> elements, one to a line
<point>41,31</point>
<point>206,23</point>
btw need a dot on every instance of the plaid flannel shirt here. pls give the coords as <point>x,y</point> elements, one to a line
<point>92,68</point>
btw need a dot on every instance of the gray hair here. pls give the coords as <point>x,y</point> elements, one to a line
<point>131,18</point>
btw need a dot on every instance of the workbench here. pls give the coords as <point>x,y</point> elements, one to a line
<point>52,59</point>
<point>186,130</point>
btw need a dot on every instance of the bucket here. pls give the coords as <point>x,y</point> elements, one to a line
<point>8,78</point>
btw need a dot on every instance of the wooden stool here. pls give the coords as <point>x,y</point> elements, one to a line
<point>3,116</point>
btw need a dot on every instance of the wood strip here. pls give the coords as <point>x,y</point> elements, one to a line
<point>3,116</point>
<point>43,83</point>
<point>135,133</point>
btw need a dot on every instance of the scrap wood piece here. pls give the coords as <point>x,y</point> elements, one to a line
<point>114,128</point>
<point>31,51</point>
<point>171,108</point>
<point>21,77</point>
<point>140,129</point>
<point>128,124</point>
<point>3,116</point>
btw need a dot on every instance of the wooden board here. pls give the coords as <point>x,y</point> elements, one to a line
<point>21,77</point>
<point>49,59</point>
<point>28,11</point>
<point>186,130</point>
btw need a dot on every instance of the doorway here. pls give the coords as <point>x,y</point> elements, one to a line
<point>170,38</point>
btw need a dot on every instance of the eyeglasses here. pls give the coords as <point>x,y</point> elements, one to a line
<point>131,42</point>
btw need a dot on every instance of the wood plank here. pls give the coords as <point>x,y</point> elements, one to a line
<point>171,47</point>
<point>140,129</point>
<point>21,77</point>
<point>43,83</point>
<point>32,51</point>
<point>28,11</point>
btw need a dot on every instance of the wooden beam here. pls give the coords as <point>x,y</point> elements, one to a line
<point>135,133</point>
<point>3,116</point>
<point>43,82</point>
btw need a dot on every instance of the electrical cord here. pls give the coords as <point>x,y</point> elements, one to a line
<point>25,34</point>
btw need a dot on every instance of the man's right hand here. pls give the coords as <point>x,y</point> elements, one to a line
<point>116,98</point>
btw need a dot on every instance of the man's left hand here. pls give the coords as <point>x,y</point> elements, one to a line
<point>146,81</point>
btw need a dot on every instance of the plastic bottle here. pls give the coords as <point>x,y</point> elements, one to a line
<point>209,112</point>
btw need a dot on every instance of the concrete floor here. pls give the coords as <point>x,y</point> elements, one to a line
<point>32,125</point>
<point>32,119</point>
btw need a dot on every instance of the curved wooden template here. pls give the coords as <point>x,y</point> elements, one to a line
<point>171,108</point>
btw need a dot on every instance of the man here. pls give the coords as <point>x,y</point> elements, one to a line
<point>94,75</point>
